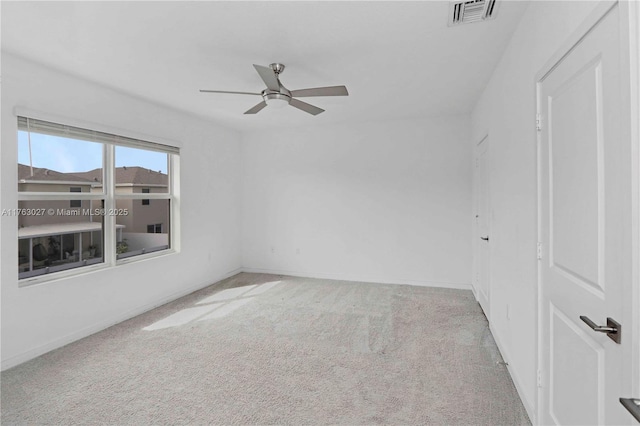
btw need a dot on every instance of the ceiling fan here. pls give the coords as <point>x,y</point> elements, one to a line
<point>277,95</point>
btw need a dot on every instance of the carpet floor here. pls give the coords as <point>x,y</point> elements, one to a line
<point>268,349</point>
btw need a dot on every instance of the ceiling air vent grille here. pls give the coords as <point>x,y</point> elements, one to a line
<point>467,12</point>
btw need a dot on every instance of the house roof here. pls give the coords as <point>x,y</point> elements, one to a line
<point>124,175</point>
<point>42,174</point>
<point>134,175</point>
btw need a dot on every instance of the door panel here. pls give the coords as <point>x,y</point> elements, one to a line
<point>574,351</point>
<point>584,191</point>
<point>576,174</point>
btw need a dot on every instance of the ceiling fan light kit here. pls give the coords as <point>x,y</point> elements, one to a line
<point>276,100</point>
<point>278,96</point>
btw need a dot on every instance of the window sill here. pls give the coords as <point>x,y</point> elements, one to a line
<point>86,270</point>
<point>146,256</point>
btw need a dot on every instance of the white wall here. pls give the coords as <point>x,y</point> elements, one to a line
<point>385,202</point>
<point>506,112</point>
<point>40,317</point>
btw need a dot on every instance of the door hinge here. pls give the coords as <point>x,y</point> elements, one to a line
<point>539,379</point>
<point>539,251</point>
<point>538,122</point>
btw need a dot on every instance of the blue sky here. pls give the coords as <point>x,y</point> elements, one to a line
<point>71,155</point>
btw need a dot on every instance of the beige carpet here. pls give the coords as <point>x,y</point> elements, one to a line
<point>265,349</point>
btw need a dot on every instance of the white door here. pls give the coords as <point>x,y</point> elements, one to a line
<point>585,230</point>
<point>482,225</point>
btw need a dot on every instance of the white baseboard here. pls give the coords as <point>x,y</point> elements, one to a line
<point>92,329</point>
<point>475,294</point>
<point>347,277</point>
<point>528,405</point>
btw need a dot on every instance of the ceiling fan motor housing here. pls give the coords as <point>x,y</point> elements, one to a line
<point>272,95</point>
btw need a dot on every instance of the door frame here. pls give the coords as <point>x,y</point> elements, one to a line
<point>630,83</point>
<point>476,233</point>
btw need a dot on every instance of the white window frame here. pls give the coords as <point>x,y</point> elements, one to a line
<point>108,195</point>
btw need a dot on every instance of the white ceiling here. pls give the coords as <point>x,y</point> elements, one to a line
<point>397,59</point>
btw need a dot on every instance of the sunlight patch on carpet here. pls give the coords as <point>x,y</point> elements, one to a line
<point>230,293</point>
<point>262,288</point>
<point>182,317</point>
<point>226,309</point>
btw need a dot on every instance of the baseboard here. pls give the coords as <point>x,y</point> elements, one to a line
<point>102,325</point>
<point>359,278</point>
<point>528,406</point>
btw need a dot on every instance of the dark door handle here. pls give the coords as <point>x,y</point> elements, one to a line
<point>613,328</point>
<point>633,405</point>
<point>484,238</point>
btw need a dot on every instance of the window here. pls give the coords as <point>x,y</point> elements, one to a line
<point>138,171</point>
<point>154,229</point>
<point>145,202</point>
<point>75,203</point>
<point>104,221</point>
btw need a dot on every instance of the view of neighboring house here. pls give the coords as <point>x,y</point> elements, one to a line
<point>38,179</point>
<point>145,216</point>
<point>68,233</point>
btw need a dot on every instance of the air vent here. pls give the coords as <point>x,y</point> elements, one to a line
<point>467,12</point>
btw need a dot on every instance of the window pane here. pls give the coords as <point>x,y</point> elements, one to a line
<point>138,170</point>
<point>75,203</point>
<point>53,237</point>
<point>142,229</point>
<point>54,164</point>
<point>146,202</point>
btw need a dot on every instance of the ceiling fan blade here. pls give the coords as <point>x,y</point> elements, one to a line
<point>233,93</point>
<point>321,91</point>
<point>268,76</point>
<point>256,108</point>
<point>313,110</point>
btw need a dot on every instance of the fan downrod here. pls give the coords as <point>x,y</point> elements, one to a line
<point>277,68</point>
